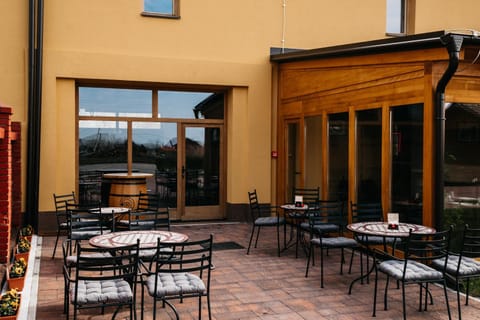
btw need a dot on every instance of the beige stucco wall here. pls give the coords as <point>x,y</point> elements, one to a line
<point>215,42</point>
<point>446,15</point>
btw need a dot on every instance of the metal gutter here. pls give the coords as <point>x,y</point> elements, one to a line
<point>413,42</point>
<point>34,110</point>
<point>453,43</point>
<point>424,40</point>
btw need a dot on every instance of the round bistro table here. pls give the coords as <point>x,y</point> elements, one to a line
<point>148,238</point>
<point>381,229</point>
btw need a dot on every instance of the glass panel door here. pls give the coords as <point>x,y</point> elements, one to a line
<point>338,156</point>
<point>369,155</point>
<point>462,166</point>
<point>313,152</point>
<point>201,172</point>
<point>154,151</point>
<point>407,162</point>
<point>293,166</point>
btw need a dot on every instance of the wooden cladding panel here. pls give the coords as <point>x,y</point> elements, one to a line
<point>402,92</point>
<point>301,84</point>
<point>463,89</point>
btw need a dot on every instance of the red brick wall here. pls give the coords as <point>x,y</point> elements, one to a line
<point>5,183</point>
<point>17,216</point>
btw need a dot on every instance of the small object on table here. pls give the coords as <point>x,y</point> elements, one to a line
<point>393,221</point>
<point>298,201</point>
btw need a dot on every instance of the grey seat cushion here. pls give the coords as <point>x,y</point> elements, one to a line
<point>175,284</point>
<point>71,260</point>
<point>268,221</point>
<point>87,233</point>
<point>415,271</point>
<point>321,228</point>
<point>105,291</point>
<point>468,266</point>
<point>335,242</point>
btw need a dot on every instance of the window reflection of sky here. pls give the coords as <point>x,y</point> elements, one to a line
<point>160,6</point>
<point>394,16</point>
<point>114,102</point>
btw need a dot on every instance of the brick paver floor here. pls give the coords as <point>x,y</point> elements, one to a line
<point>262,285</point>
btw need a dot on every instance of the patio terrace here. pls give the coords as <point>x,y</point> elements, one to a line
<point>261,286</point>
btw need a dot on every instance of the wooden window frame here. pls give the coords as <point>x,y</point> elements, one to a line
<point>175,14</point>
<point>407,19</point>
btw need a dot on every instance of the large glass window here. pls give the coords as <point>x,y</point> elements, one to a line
<point>396,13</point>
<point>313,152</point>
<point>407,162</point>
<point>190,105</point>
<point>462,165</point>
<point>338,156</point>
<point>369,155</point>
<point>293,169</point>
<point>112,102</point>
<point>154,151</point>
<point>102,149</point>
<point>137,129</point>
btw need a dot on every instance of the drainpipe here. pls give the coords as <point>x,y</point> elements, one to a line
<point>34,110</point>
<point>453,43</point>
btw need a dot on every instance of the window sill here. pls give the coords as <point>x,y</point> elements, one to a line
<point>159,15</point>
<point>389,34</point>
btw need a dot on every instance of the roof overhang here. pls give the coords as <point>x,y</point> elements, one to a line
<point>413,42</point>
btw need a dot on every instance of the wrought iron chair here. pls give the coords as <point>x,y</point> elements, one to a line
<point>69,263</point>
<point>85,223</point>
<point>103,281</point>
<point>151,214</point>
<point>326,232</point>
<point>464,265</point>
<point>264,216</point>
<point>420,250</point>
<point>310,197</point>
<point>369,212</point>
<point>61,201</point>
<point>183,273</point>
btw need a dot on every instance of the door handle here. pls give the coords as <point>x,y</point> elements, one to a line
<point>183,172</point>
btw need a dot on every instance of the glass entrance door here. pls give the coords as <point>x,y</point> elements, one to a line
<point>200,173</point>
<point>293,174</point>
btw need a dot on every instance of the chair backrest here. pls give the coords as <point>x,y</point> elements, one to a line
<point>471,242</point>
<point>426,247</point>
<point>85,223</point>
<point>366,212</point>
<point>148,201</point>
<point>151,214</point>
<point>327,212</point>
<point>149,220</point>
<point>260,210</point>
<point>61,201</point>
<point>185,257</point>
<point>254,204</point>
<point>310,195</point>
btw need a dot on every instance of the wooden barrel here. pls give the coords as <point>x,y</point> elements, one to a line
<point>125,188</point>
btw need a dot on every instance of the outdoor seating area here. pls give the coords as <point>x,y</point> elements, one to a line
<point>260,285</point>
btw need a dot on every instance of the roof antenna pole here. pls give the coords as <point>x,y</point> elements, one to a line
<point>284,5</point>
